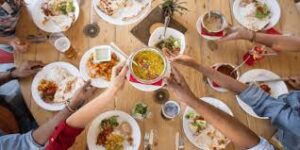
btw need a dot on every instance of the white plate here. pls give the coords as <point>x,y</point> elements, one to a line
<point>220,89</point>
<point>94,130</point>
<point>96,82</point>
<point>199,29</point>
<point>39,76</point>
<point>149,88</point>
<point>274,8</point>
<point>51,26</point>
<point>118,20</point>
<point>277,88</point>
<point>215,102</point>
<point>154,38</point>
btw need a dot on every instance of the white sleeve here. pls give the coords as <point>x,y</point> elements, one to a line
<point>262,145</point>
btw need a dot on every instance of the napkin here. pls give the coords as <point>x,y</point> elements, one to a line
<point>158,83</point>
<point>272,31</point>
<point>251,61</point>
<point>217,34</point>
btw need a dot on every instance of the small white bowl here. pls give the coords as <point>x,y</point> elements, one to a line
<point>207,37</point>
<point>220,89</point>
<point>170,102</point>
<point>154,38</point>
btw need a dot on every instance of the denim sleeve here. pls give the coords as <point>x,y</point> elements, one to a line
<point>19,142</point>
<point>262,145</point>
<point>280,111</point>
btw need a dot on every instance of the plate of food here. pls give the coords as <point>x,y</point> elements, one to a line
<point>114,130</point>
<point>202,134</point>
<point>275,89</point>
<point>55,15</point>
<point>55,84</point>
<point>257,14</point>
<point>227,69</point>
<point>122,12</point>
<point>147,69</point>
<point>97,63</point>
<point>174,42</point>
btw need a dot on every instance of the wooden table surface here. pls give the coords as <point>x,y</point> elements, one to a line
<point>229,52</point>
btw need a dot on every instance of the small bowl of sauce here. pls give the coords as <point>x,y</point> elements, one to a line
<point>224,68</point>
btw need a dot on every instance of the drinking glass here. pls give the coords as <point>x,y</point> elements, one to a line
<point>63,44</point>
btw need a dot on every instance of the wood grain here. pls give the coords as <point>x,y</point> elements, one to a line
<point>229,52</point>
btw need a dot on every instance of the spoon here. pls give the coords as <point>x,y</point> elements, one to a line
<point>266,81</point>
<point>166,24</point>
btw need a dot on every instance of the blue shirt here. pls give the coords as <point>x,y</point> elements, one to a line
<point>284,113</point>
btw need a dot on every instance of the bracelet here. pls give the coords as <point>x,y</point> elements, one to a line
<point>67,103</point>
<point>253,36</point>
<point>10,73</point>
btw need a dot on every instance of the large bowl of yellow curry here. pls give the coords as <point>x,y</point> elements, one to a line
<point>148,65</point>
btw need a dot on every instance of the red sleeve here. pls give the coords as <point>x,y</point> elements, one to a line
<point>63,137</point>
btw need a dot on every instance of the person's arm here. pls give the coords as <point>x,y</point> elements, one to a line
<point>228,125</point>
<point>67,131</point>
<point>276,42</point>
<point>88,112</point>
<point>42,134</point>
<point>26,69</point>
<point>283,111</point>
<point>223,80</point>
<point>5,40</point>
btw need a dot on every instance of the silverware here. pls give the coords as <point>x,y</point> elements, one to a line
<point>241,65</point>
<point>166,24</point>
<point>267,81</point>
<point>146,141</point>
<point>114,46</point>
<point>181,143</point>
<point>151,139</point>
<point>37,38</point>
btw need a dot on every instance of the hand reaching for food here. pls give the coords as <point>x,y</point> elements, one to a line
<point>237,33</point>
<point>19,45</point>
<point>118,76</point>
<point>184,60</point>
<point>27,69</point>
<point>177,84</point>
<point>81,95</point>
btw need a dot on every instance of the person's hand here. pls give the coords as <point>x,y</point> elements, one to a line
<point>27,69</point>
<point>118,76</point>
<point>177,84</point>
<point>295,82</point>
<point>19,45</point>
<point>184,60</point>
<point>82,94</point>
<point>237,33</point>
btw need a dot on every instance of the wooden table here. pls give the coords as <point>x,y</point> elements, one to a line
<point>230,52</point>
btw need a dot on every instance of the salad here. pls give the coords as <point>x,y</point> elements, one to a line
<point>140,111</point>
<point>58,7</point>
<point>169,46</point>
<point>113,134</point>
<point>262,10</point>
<point>197,122</point>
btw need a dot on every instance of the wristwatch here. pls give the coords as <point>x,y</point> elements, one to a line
<point>10,70</point>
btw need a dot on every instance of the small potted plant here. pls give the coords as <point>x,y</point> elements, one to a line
<point>169,7</point>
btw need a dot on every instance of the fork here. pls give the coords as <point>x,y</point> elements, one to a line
<point>180,143</point>
<point>146,141</point>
